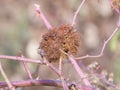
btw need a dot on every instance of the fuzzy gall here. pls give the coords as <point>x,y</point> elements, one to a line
<point>64,38</point>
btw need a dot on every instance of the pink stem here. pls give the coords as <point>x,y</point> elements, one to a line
<point>16,58</point>
<point>51,66</point>
<point>38,10</point>
<point>78,69</point>
<point>65,87</point>
<point>11,87</point>
<point>27,70</point>
<point>104,45</point>
<point>28,83</point>
<point>76,13</point>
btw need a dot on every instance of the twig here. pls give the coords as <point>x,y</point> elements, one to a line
<point>65,87</point>
<point>60,65</point>
<point>27,69</point>
<point>38,10</point>
<point>104,45</point>
<point>78,69</point>
<point>76,13</point>
<point>6,79</point>
<point>58,72</point>
<point>27,83</point>
<point>16,58</point>
<point>51,66</point>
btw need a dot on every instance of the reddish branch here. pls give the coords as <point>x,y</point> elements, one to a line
<point>104,45</point>
<point>64,83</point>
<point>6,78</point>
<point>38,10</point>
<point>28,83</point>
<point>16,58</point>
<point>79,71</point>
<point>76,13</point>
<point>27,70</point>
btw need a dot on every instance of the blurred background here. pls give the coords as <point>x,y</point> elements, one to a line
<point>21,31</point>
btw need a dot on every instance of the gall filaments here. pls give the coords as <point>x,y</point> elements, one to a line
<point>64,38</point>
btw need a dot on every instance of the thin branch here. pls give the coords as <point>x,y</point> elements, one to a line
<point>27,83</point>
<point>6,79</point>
<point>65,86</point>
<point>32,61</point>
<point>40,13</point>
<point>27,69</point>
<point>16,58</point>
<point>60,65</point>
<point>78,69</point>
<point>76,13</point>
<point>104,45</point>
<point>51,66</point>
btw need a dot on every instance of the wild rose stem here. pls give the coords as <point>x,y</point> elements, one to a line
<point>106,42</point>
<point>65,87</point>
<point>16,58</point>
<point>64,84</point>
<point>78,69</point>
<point>51,66</point>
<point>31,61</point>
<point>60,65</point>
<point>104,45</point>
<point>27,83</point>
<point>40,13</point>
<point>6,79</point>
<point>27,70</point>
<point>76,13</point>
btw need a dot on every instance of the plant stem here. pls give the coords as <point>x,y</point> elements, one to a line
<point>6,78</point>
<point>76,13</point>
<point>16,58</point>
<point>40,13</point>
<point>78,69</point>
<point>104,45</point>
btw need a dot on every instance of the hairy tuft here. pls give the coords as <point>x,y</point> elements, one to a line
<point>64,38</point>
